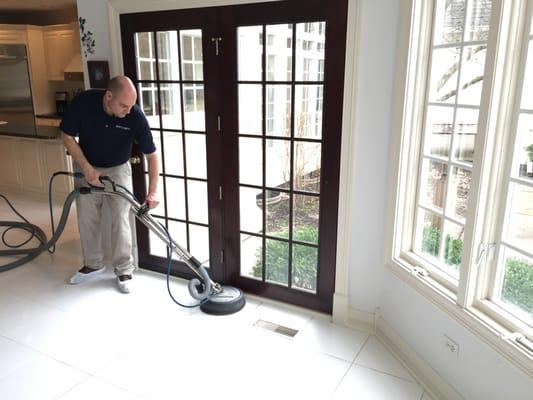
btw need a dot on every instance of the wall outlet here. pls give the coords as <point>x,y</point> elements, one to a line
<point>451,345</point>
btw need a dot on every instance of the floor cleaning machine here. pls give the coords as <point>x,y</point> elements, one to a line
<point>211,297</point>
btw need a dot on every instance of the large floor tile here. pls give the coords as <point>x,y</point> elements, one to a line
<point>365,384</point>
<point>74,341</point>
<point>93,388</point>
<point>256,369</point>
<point>427,396</point>
<point>13,356</point>
<point>323,336</point>
<point>43,379</point>
<point>17,312</point>
<point>374,355</point>
<point>283,315</point>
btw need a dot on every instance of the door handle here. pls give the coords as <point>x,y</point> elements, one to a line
<point>135,160</point>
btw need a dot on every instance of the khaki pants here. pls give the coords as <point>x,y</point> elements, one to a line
<point>95,210</point>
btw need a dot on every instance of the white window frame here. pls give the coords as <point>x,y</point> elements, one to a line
<point>468,299</point>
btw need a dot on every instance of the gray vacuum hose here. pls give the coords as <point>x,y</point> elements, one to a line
<point>195,283</point>
<point>34,252</point>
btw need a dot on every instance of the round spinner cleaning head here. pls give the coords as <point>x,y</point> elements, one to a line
<point>228,301</point>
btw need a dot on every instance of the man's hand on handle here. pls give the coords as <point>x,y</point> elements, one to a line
<point>92,176</point>
<point>151,200</point>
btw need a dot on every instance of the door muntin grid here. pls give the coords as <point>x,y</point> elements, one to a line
<point>170,82</point>
<point>280,151</point>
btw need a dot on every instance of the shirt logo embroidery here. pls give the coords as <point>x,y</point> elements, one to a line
<point>122,127</point>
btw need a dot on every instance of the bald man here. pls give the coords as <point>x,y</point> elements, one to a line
<point>107,123</point>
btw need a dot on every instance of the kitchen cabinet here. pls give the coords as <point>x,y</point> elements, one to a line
<point>54,160</point>
<point>26,166</point>
<point>8,161</point>
<point>12,34</point>
<point>40,86</point>
<point>32,37</point>
<point>30,165</point>
<point>59,48</point>
<point>47,121</point>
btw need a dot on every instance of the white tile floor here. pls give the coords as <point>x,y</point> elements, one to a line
<point>89,341</point>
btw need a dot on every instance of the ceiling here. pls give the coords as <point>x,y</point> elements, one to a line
<point>35,5</point>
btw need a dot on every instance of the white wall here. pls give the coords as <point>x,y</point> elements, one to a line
<point>95,12</point>
<point>378,32</point>
<point>479,372</point>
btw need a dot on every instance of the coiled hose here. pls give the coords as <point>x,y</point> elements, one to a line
<point>30,254</point>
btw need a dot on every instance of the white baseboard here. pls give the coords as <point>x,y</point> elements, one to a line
<point>362,320</point>
<point>344,314</point>
<point>423,372</point>
<point>341,306</point>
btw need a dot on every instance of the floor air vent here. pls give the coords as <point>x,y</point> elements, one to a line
<point>270,326</point>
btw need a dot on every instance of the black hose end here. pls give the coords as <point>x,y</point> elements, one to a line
<point>142,210</point>
<point>195,262</point>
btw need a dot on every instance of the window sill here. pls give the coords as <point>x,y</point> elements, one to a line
<point>480,324</point>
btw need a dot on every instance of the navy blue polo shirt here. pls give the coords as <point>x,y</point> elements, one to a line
<point>106,141</point>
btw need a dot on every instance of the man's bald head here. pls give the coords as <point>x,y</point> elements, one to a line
<point>120,96</point>
<point>119,84</point>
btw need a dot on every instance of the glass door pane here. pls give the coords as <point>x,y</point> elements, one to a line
<point>280,149</point>
<point>169,66</point>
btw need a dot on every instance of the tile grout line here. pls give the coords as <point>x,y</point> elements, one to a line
<point>389,374</point>
<point>349,367</point>
<point>45,355</point>
<point>414,380</point>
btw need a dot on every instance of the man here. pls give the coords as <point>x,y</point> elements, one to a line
<point>107,123</point>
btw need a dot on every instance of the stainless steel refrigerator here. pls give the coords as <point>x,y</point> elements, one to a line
<point>16,106</point>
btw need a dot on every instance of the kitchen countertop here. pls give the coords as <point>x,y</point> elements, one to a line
<point>41,132</point>
<point>50,116</point>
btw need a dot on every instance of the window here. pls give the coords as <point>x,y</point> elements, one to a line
<point>320,69</point>
<point>307,68</point>
<point>464,203</point>
<point>270,116</point>
<point>318,110</point>
<point>309,27</point>
<point>452,109</point>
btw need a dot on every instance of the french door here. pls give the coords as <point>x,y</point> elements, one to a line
<point>244,103</point>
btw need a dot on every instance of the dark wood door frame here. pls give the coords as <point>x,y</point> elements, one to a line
<point>223,150</point>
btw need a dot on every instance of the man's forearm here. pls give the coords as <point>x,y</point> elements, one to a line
<point>91,175</point>
<point>153,172</point>
<point>74,150</point>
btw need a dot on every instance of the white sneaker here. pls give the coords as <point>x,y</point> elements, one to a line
<point>80,277</point>
<point>124,286</point>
